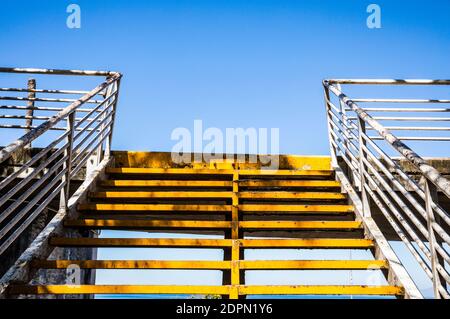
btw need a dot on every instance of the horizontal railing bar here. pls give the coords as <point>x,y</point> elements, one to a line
<point>402,109</point>
<point>42,91</point>
<point>400,100</point>
<point>38,108</point>
<point>403,118</point>
<point>58,72</point>
<point>34,117</point>
<point>34,127</point>
<point>42,99</point>
<point>390,81</point>
<point>414,128</point>
<point>415,138</point>
<point>6,152</point>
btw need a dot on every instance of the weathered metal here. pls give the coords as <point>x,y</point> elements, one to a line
<point>405,203</point>
<point>45,176</point>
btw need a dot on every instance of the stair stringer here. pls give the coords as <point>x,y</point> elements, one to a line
<point>22,272</point>
<point>397,274</point>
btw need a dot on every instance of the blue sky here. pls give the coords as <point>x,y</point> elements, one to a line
<point>229,63</point>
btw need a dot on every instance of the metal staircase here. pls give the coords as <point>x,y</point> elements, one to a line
<point>57,197</point>
<point>250,208</point>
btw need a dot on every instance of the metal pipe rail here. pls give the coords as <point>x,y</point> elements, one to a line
<point>410,206</point>
<point>38,179</point>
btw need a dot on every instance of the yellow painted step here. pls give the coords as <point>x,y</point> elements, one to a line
<point>154,207</point>
<point>267,208</point>
<point>212,243</point>
<point>190,171</point>
<point>291,195</point>
<point>119,289</point>
<point>167,194</point>
<point>133,264</point>
<point>250,208</point>
<point>288,183</point>
<point>140,242</point>
<point>164,183</point>
<point>168,171</point>
<point>196,224</point>
<point>244,183</point>
<point>321,290</point>
<point>211,265</point>
<point>220,195</point>
<point>215,290</point>
<point>307,243</point>
<point>160,224</point>
<point>313,264</point>
<point>260,224</point>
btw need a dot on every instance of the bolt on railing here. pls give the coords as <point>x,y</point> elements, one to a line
<point>29,185</point>
<point>410,206</point>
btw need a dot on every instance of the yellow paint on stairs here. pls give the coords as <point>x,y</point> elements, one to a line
<point>215,290</point>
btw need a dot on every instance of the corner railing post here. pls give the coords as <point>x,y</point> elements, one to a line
<point>67,162</point>
<point>115,90</point>
<point>363,168</point>
<point>333,150</point>
<point>30,106</point>
<point>430,194</point>
<point>346,134</point>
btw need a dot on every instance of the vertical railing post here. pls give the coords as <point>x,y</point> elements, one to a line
<point>115,90</point>
<point>98,157</point>
<point>67,162</point>
<point>346,126</point>
<point>362,167</point>
<point>430,194</point>
<point>333,150</point>
<point>30,106</point>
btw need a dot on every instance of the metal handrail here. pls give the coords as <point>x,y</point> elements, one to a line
<point>410,206</point>
<point>42,177</point>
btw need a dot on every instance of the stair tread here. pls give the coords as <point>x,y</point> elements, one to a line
<point>219,208</point>
<point>209,183</point>
<point>166,183</point>
<point>117,223</point>
<point>220,194</point>
<point>200,171</point>
<point>213,264</point>
<point>197,289</point>
<point>212,243</point>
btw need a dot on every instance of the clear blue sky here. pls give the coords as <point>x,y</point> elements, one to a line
<point>229,63</point>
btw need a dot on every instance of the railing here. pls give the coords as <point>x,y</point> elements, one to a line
<point>73,133</point>
<point>408,201</point>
